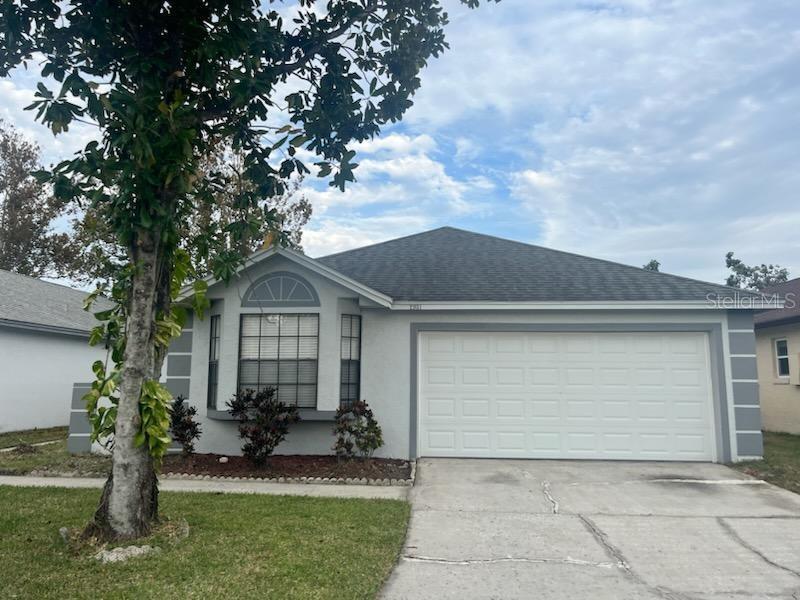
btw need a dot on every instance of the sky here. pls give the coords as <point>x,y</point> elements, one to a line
<point>625,130</point>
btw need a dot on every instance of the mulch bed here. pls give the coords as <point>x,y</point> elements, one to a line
<point>288,466</point>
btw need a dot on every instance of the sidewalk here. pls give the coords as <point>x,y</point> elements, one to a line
<point>227,487</point>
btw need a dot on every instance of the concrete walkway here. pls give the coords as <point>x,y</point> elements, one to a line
<point>517,529</point>
<point>227,487</point>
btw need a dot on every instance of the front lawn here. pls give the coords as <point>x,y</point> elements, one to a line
<point>239,546</point>
<point>781,463</point>
<point>32,436</point>
<point>53,459</point>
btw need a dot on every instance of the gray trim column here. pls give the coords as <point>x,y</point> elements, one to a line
<point>744,381</point>
<point>714,331</point>
<point>80,429</point>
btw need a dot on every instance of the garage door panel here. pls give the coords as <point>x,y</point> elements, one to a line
<point>611,396</point>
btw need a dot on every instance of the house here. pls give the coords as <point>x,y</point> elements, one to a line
<point>44,347</point>
<point>778,350</point>
<point>467,345</point>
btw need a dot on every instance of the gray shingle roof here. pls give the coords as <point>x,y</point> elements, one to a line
<point>449,264</point>
<point>790,292</point>
<point>33,302</point>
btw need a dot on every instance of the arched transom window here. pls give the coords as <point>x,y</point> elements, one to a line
<point>281,289</point>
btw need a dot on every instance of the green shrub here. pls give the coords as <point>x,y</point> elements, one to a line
<point>356,430</point>
<point>185,430</point>
<point>263,422</point>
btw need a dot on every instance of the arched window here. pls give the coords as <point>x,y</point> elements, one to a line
<point>280,289</point>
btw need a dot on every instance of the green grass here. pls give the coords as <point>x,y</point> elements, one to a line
<point>239,546</point>
<point>781,463</point>
<point>52,458</point>
<point>32,436</point>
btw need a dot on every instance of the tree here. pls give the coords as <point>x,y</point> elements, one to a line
<point>27,243</point>
<point>756,277</point>
<point>653,265</point>
<point>165,82</point>
<point>95,256</point>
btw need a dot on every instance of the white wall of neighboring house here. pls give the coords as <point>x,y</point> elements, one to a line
<point>37,370</point>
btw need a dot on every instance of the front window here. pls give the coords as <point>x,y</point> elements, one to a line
<point>351,360</point>
<point>213,362</point>
<point>782,357</point>
<point>280,351</point>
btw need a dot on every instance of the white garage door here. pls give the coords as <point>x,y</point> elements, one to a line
<point>636,396</point>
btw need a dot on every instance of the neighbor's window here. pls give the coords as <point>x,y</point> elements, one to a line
<point>213,362</point>
<point>351,360</point>
<point>280,351</point>
<point>782,357</point>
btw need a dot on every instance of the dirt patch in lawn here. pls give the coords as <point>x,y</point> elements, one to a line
<point>288,466</point>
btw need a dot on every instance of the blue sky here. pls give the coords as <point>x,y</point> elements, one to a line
<point>625,130</point>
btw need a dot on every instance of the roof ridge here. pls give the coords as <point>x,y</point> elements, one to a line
<point>583,256</point>
<point>40,280</point>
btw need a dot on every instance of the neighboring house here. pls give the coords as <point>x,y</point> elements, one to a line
<point>467,345</point>
<point>778,348</point>
<point>43,349</point>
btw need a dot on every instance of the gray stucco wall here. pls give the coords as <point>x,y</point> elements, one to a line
<point>37,370</point>
<point>388,341</point>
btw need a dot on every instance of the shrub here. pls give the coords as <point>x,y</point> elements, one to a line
<point>185,430</point>
<point>356,429</point>
<point>263,422</point>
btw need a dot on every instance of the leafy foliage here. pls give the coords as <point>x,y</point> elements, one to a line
<point>356,430</point>
<point>185,430</point>
<point>263,422</point>
<point>753,277</point>
<point>653,265</point>
<point>27,243</point>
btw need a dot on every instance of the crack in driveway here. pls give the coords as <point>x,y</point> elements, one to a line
<point>616,554</point>
<point>728,528</point>
<point>549,496</point>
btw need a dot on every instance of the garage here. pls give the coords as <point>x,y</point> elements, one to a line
<point>623,396</point>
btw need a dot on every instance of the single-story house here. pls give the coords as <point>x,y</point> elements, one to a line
<point>467,345</point>
<point>778,350</point>
<point>44,348</point>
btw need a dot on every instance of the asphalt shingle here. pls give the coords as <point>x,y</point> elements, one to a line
<point>27,300</point>
<point>790,292</point>
<point>449,264</point>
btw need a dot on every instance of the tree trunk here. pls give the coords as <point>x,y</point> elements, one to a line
<point>129,503</point>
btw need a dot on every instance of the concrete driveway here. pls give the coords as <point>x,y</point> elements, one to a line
<point>595,530</point>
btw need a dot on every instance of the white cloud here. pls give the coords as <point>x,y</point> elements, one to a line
<point>396,143</point>
<point>16,94</point>
<point>466,150</point>
<point>626,129</point>
<point>328,236</point>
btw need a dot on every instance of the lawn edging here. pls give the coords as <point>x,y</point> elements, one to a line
<point>408,482</point>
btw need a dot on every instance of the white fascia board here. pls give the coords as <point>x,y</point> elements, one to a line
<point>309,263</point>
<point>479,305</point>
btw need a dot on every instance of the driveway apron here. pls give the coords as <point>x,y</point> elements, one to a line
<point>596,530</point>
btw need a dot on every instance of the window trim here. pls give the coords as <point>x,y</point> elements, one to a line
<point>342,359</point>
<point>211,401</point>
<point>260,314</point>
<point>778,358</point>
